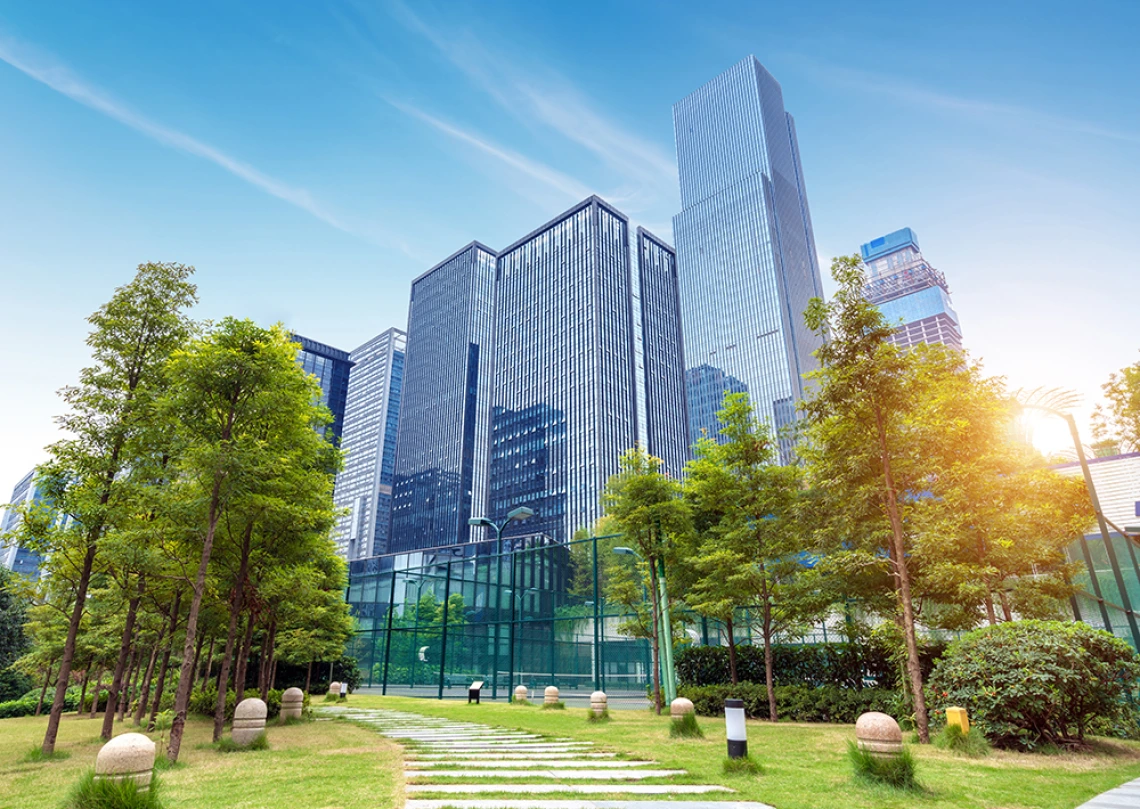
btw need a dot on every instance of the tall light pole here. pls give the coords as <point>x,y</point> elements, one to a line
<point>520,513</point>
<point>664,626</point>
<point>1125,601</point>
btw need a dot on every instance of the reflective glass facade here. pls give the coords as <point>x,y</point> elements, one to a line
<point>564,404</point>
<point>909,292</point>
<point>442,455</point>
<point>331,367</point>
<point>746,257</point>
<point>14,556</point>
<point>372,412</point>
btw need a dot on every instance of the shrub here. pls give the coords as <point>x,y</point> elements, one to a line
<point>686,726</point>
<point>845,665</point>
<point>554,706</point>
<point>1028,684</point>
<point>973,743</point>
<point>592,717</point>
<point>745,765</point>
<point>896,771</point>
<point>796,703</point>
<point>92,794</point>
<point>226,744</point>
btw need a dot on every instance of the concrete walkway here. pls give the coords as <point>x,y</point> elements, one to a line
<point>1125,796</point>
<point>453,758</point>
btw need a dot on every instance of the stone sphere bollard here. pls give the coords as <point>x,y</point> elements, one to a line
<point>598,702</point>
<point>292,702</point>
<point>879,735</point>
<point>520,693</point>
<point>129,757</point>
<point>680,706</point>
<point>551,695</point>
<point>249,721</point>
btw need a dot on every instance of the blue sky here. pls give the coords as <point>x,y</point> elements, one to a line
<point>312,158</point>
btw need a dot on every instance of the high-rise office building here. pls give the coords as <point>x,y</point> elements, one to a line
<point>909,292</point>
<point>441,459</point>
<point>371,415</point>
<point>331,367</point>
<point>746,257</point>
<point>554,316</point>
<point>13,555</point>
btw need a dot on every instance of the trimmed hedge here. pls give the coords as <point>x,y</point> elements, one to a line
<point>26,705</point>
<point>796,703</point>
<point>845,665</point>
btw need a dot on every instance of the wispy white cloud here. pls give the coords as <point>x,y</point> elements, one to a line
<point>916,95</point>
<point>537,171</point>
<point>537,95</point>
<point>58,77</point>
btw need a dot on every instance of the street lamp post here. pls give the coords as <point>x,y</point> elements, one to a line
<point>520,513</point>
<point>664,626</point>
<point>1125,601</point>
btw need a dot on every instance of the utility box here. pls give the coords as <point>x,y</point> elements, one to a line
<point>473,692</point>
<point>959,717</point>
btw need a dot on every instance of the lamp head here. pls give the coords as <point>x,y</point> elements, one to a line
<point>480,521</point>
<point>621,551</point>
<point>520,513</point>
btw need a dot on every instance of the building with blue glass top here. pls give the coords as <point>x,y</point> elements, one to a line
<point>442,451</point>
<point>13,555</point>
<point>530,371</point>
<point>331,367</point>
<point>747,265</point>
<point>371,416</point>
<point>910,293</point>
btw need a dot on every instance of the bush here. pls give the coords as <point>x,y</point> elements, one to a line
<point>554,706</point>
<point>896,771</point>
<point>227,745</point>
<point>745,765</point>
<point>92,794</point>
<point>595,718</point>
<point>686,726</point>
<point>795,703</point>
<point>1028,684</point>
<point>204,701</point>
<point>845,665</point>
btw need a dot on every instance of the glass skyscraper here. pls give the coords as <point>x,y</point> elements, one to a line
<point>441,460</point>
<point>13,555</point>
<point>525,381</point>
<point>331,368</point>
<point>909,292</point>
<point>371,415</point>
<point>746,257</point>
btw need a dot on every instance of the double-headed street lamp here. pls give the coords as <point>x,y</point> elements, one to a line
<point>520,513</point>
<point>664,627</point>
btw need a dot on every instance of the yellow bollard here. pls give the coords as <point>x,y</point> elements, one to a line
<point>958,716</point>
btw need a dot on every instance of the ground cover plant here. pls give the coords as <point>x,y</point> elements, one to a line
<point>894,771</point>
<point>802,762</point>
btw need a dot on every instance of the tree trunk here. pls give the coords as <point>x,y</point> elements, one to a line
<point>262,659</point>
<point>209,660</point>
<point>309,677</point>
<point>83,691</point>
<point>902,572</point>
<point>73,630</point>
<point>268,661</point>
<point>731,650</point>
<point>186,672</point>
<point>654,611</point>
<point>166,662</point>
<point>240,674</point>
<point>144,694</point>
<point>990,614</point>
<point>43,693</point>
<point>121,665</point>
<point>98,690</point>
<point>197,657</point>
<point>273,674</point>
<point>128,682</point>
<point>236,602</point>
<point>1005,608</point>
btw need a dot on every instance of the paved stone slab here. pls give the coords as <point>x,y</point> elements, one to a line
<point>574,775</point>
<point>583,789</point>
<point>460,758</point>
<point>542,763</point>
<point>570,804</point>
<point>1125,796</point>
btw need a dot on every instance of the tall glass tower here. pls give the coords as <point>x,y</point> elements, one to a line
<point>14,556</point>
<point>746,257</point>
<point>331,367</point>
<point>909,292</point>
<point>441,460</point>
<point>371,414</point>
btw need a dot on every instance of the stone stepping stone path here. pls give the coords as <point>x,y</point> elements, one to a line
<point>455,758</point>
<point>1125,796</point>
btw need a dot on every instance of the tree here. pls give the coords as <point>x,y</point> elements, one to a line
<point>133,334</point>
<point>646,506</point>
<point>1119,422</point>
<point>749,553</point>
<point>885,429</point>
<point>242,412</point>
<point>13,642</point>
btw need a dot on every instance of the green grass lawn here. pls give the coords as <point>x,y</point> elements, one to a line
<point>312,765</point>
<point>805,766</point>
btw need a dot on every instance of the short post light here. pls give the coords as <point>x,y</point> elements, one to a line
<point>735,729</point>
